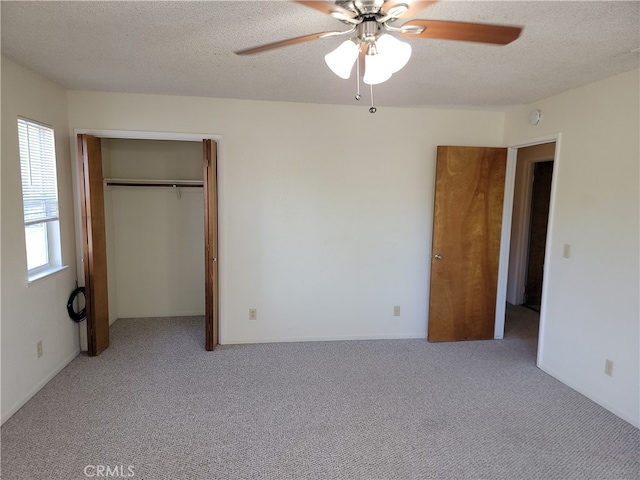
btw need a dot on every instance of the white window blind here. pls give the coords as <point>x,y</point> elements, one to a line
<point>38,168</point>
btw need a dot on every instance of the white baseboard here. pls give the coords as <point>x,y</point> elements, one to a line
<point>591,396</point>
<point>39,386</point>
<point>160,314</point>
<point>330,338</point>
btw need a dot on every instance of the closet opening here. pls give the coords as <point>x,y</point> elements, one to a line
<point>154,207</point>
<point>147,252</point>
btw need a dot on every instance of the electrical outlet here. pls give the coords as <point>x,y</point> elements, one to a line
<point>608,367</point>
<point>39,348</point>
<point>396,311</point>
<point>566,252</point>
<point>253,314</point>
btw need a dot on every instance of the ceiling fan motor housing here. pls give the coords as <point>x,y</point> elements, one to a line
<point>365,7</point>
<point>368,30</point>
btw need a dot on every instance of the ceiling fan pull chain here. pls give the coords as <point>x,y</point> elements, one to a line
<point>358,96</point>
<point>372,109</point>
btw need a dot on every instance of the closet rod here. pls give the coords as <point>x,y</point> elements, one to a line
<point>152,183</point>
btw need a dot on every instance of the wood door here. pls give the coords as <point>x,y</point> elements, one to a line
<point>540,198</point>
<point>94,243</point>
<point>467,225</point>
<point>210,162</point>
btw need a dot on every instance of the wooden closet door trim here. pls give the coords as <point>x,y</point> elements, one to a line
<point>210,165</point>
<point>94,243</point>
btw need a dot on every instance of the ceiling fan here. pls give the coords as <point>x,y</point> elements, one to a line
<point>383,53</point>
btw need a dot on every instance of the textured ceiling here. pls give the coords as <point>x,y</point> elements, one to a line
<point>186,48</point>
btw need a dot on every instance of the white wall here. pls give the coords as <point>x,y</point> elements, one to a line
<point>155,239</point>
<point>593,297</point>
<point>112,277</point>
<point>35,312</point>
<point>325,211</point>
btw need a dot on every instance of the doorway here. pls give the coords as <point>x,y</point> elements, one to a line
<point>94,245</point>
<point>514,250</point>
<point>539,218</point>
<point>530,217</point>
<point>514,245</point>
<point>515,196</point>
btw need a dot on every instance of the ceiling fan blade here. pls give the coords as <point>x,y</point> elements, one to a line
<point>328,8</point>
<point>468,32</point>
<point>286,43</point>
<point>414,6</point>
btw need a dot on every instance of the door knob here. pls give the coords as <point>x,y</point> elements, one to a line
<point>438,256</point>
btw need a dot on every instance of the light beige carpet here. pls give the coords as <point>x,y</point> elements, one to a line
<point>157,402</point>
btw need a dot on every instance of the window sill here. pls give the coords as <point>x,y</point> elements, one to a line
<point>45,274</point>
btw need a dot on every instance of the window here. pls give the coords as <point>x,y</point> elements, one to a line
<point>39,198</point>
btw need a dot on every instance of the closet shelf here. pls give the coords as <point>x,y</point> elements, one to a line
<point>140,182</point>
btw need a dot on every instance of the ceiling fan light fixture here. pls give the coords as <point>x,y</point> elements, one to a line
<point>342,59</point>
<point>396,54</point>
<point>375,70</point>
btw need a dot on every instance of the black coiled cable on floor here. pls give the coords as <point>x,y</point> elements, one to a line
<point>82,314</point>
